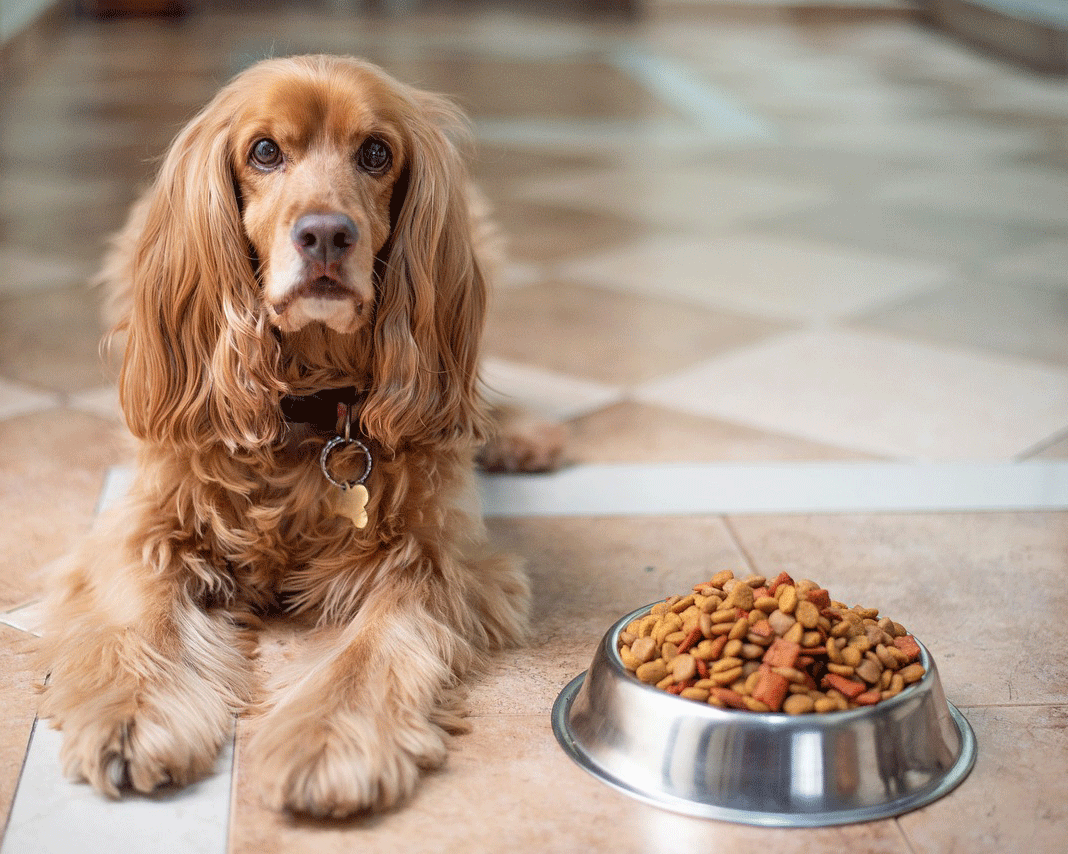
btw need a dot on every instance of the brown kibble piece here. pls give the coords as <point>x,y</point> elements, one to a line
<point>808,615</point>
<point>652,671</point>
<point>741,596</point>
<point>798,704</point>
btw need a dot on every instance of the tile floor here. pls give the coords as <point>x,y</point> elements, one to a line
<point>761,263</point>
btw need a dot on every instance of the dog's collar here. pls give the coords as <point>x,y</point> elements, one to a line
<point>319,409</point>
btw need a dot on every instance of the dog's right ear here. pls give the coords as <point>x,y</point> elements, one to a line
<point>200,363</point>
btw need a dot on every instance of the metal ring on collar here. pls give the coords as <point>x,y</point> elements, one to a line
<point>330,447</point>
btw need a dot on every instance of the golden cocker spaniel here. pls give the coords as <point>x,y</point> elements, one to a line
<point>303,301</point>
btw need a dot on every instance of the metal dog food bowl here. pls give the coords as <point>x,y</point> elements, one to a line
<point>764,769</point>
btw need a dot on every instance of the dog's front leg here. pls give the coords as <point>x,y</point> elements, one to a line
<point>368,705</point>
<point>142,680</point>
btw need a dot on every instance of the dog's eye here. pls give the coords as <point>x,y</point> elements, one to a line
<point>374,156</point>
<point>266,154</point>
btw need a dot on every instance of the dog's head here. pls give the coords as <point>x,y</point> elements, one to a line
<point>310,191</point>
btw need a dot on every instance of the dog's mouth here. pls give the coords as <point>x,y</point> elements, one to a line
<point>324,287</point>
<point>323,298</point>
<point>320,288</point>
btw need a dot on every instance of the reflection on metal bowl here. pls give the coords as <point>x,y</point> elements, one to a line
<point>764,769</point>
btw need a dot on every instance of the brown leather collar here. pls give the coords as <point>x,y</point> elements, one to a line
<point>319,409</point>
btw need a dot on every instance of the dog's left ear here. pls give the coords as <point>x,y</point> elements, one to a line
<point>431,303</point>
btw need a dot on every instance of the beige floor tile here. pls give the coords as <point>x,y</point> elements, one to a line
<point>587,573</point>
<point>504,168</point>
<point>18,706</point>
<point>1042,265</point>
<point>539,232</point>
<point>1031,322</point>
<point>17,399</point>
<point>507,784</point>
<point>1019,195</point>
<point>876,393</point>
<point>951,240</point>
<point>631,432</point>
<point>51,339</point>
<point>776,278</point>
<point>937,139</point>
<point>28,270</point>
<point>579,88</point>
<point>694,198</point>
<point>1014,799</point>
<point>611,337</point>
<point>1057,450</point>
<point>936,574</point>
<point>52,466</point>
<point>542,392</point>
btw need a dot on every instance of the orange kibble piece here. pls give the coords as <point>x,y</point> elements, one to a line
<point>770,688</point>
<point>848,687</point>
<point>907,644</point>
<point>782,653</point>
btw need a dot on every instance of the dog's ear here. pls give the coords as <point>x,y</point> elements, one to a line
<point>431,299</point>
<point>200,364</point>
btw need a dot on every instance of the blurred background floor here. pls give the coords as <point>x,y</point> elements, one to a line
<point>742,233</point>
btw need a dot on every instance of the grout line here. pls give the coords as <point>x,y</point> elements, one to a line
<point>231,800</point>
<point>1041,445</point>
<point>903,834</point>
<point>750,561</point>
<point>18,781</point>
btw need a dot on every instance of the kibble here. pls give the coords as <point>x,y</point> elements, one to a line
<point>770,646</point>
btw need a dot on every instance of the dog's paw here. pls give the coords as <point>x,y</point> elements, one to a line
<point>343,763</point>
<point>121,730</point>
<point>523,443</point>
<point>140,751</point>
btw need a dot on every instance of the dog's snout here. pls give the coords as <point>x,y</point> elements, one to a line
<point>324,238</point>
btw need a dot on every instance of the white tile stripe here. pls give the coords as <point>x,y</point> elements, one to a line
<point>642,490</point>
<point>53,816</point>
<point>819,487</point>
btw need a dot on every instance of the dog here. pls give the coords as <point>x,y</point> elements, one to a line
<point>302,292</point>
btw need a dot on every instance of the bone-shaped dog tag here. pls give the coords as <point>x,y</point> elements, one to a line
<point>352,504</point>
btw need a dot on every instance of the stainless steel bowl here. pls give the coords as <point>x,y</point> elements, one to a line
<point>764,769</point>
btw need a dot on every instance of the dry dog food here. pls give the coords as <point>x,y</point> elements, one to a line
<point>770,646</point>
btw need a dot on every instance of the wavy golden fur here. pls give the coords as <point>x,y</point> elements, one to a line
<point>230,303</point>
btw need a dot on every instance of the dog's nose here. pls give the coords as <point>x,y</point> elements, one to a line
<point>324,238</point>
